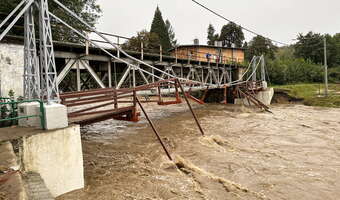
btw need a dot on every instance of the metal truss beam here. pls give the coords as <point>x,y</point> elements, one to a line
<point>9,27</point>
<point>49,86</point>
<point>93,73</point>
<point>31,63</point>
<point>66,70</point>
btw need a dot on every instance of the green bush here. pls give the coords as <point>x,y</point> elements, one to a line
<point>334,75</point>
<point>293,70</point>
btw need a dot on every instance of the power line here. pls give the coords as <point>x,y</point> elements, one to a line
<point>244,28</point>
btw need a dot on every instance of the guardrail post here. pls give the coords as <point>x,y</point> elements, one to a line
<point>142,51</point>
<point>176,55</point>
<point>118,51</point>
<point>87,44</point>
<point>160,53</point>
<point>159,94</point>
<point>109,71</point>
<point>115,99</point>
<point>42,113</point>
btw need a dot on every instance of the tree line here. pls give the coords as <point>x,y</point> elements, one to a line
<point>299,62</point>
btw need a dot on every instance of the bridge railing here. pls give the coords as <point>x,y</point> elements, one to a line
<point>9,112</point>
<point>188,55</point>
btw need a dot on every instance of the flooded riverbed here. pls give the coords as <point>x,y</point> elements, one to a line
<point>246,154</point>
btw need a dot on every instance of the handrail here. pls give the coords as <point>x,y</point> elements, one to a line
<point>4,98</point>
<point>41,109</point>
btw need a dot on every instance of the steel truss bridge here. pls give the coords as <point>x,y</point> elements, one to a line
<point>139,76</point>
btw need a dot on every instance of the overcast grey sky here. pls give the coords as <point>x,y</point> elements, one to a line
<point>278,19</point>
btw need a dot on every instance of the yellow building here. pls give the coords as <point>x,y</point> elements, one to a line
<point>207,53</point>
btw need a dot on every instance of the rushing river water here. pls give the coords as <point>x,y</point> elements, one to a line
<point>291,154</point>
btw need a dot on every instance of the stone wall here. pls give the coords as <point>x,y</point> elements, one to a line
<point>11,69</point>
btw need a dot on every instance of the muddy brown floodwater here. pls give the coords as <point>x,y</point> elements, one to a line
<point>246,154</point>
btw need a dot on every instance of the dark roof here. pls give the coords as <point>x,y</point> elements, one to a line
<point>209,46</point>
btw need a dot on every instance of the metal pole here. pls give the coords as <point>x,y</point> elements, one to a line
<point>78,76</point>
<point>154,129</point>
<point>49,86</point>
<point>12,13</point>
<point>160,53</point>
<point>192,111</point>
<point>134,76</point>
<point>87,45</point>
<point>142,50</point>
<point>254,66</point>
<point>109,71</point>
<point>176,55</point>
<point>31,62</point>
<point>326,67</point>
<point>118,49</point>
<point>263,72</point>
<point>9,27</point>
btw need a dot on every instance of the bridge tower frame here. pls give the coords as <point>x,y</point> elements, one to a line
<point>40,75</point>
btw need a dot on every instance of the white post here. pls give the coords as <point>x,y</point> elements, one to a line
<point>118,51</point>
<point>160,53</point>
<point>142,50</point>
<point>110,73</point>
<point>78,77</point>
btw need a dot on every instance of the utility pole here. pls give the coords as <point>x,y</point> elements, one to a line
<point>326,67</point>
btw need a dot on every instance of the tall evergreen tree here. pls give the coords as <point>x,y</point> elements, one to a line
<point>212,36</point>
<point>158,27</point>
<point>171,33</point>
<point>232,35</point>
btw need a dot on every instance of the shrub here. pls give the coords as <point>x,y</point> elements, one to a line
<point>293,70</point>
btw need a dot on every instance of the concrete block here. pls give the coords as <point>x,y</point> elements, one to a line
<point>55,116</point>
<point>27,109</point>
<point>264,96</point>
<point>57,156</point>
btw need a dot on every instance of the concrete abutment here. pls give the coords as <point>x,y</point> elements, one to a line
<point>54,156</point>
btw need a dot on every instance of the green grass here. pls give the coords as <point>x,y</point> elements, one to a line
<point>311,95</point>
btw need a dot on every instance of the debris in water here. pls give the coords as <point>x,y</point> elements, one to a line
<point>187,167</point>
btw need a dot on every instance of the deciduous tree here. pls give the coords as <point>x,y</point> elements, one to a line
<point>232,35</point>
<point>260,46</point>
<point>311,47</point>
<point>150,42</point>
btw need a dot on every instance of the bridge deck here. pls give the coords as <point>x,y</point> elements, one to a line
<point>101,116</point>
<point>87,107</point>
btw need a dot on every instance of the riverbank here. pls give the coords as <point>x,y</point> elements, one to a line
<point>291,154</point>
<point>313,94</point>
